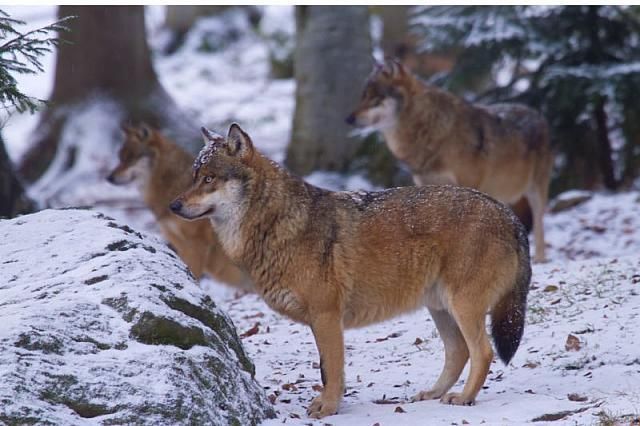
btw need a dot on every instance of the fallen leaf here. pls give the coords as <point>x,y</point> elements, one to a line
<point>577,398</point>
<point>418,341</point>
<point>399,410</point>
<point>250,332</point>
<point>289,387</point>
<point>550,288</point>
<point>572,343</point>
<point>317,388</point>
<point>384,400</point>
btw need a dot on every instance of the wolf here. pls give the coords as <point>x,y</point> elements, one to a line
<point>335,260</point>
<point>502,149</point>
<point>160,168</point>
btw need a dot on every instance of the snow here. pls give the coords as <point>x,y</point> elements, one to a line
<point>589,289</point>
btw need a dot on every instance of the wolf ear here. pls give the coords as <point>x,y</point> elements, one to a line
<point>239,143</point>
<point>211,136</point>
<point>126,127</point>
<point>395,67</point>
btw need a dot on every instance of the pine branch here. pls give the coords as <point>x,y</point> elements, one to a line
<point>21,54</point>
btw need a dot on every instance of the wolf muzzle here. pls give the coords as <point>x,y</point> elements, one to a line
<point>176,206</point>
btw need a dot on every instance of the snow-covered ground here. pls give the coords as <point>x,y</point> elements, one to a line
<point>589,289</point>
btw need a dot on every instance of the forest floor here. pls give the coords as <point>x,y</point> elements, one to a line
<point>578,363</point>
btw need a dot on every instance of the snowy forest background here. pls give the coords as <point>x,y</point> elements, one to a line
<point>275,70</point>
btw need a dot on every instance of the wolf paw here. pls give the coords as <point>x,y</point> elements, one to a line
<point>540,259</point>
<point>426,395</point>
<point>457,399</point>
<point>321,407</point>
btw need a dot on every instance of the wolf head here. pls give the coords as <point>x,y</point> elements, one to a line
<point>383,97</point>
<point>137,155</point>
<point>220,173</point>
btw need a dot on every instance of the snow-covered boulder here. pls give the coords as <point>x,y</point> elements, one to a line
<point>100,324</point>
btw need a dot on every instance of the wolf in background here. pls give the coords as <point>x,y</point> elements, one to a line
<point>502,150</point>
<point>334,260</point>
<point>160,168</point>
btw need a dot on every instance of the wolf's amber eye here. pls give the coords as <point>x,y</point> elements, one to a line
<point>208,179</point>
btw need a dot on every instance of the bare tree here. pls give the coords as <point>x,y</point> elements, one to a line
<point>106,55</point>
<point>331,62</point>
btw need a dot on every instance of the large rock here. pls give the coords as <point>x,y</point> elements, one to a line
<point>103,325</point>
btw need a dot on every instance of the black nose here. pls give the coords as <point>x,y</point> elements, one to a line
<point>351,119</point>
<point>176,206</point>
<point>110,178</point>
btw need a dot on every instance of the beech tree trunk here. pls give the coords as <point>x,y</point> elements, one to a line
<point>331,63</point>
<point>106,55</point>
<point>13,200</point>
<point>396,41</point>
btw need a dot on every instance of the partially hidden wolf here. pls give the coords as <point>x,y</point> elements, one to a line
<point>502,149</point>
<point>160,168</point>
<point>334,260</point>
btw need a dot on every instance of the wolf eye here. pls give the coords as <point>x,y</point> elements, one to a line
<point>208,179</point>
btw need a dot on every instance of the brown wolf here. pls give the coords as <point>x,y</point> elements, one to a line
<point>161,170</point>
<point>335,260</point>
<point>501,149</point>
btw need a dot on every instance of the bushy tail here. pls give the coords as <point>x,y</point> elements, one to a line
<point>507,317</point>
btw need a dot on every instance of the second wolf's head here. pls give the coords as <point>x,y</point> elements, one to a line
<point>221,173</point>
<point>385,93</point>
<point>137,155</point>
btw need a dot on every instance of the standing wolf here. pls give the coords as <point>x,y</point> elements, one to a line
<point>502,150</point>
<point>334,260</point>
<point>160,168</point>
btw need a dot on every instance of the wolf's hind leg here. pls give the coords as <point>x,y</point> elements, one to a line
<point>456,355</point>
<point>538,202</point>
<point>470,317</point>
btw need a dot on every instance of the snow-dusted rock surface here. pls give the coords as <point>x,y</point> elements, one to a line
<point>102,325</point>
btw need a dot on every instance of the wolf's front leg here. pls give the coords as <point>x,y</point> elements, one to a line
<point>327,330</point>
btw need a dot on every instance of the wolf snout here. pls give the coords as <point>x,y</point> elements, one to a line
<point>351,119</point>
<point>176,206</point>
<point>111,178</point>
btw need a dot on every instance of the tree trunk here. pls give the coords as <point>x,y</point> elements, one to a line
<point>331,63</point>
<point>106,56</point>
<point>604,146</point>
<point>13,200</point>
<point>396,41</point>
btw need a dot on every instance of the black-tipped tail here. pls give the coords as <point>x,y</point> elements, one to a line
<point>508,316</point>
